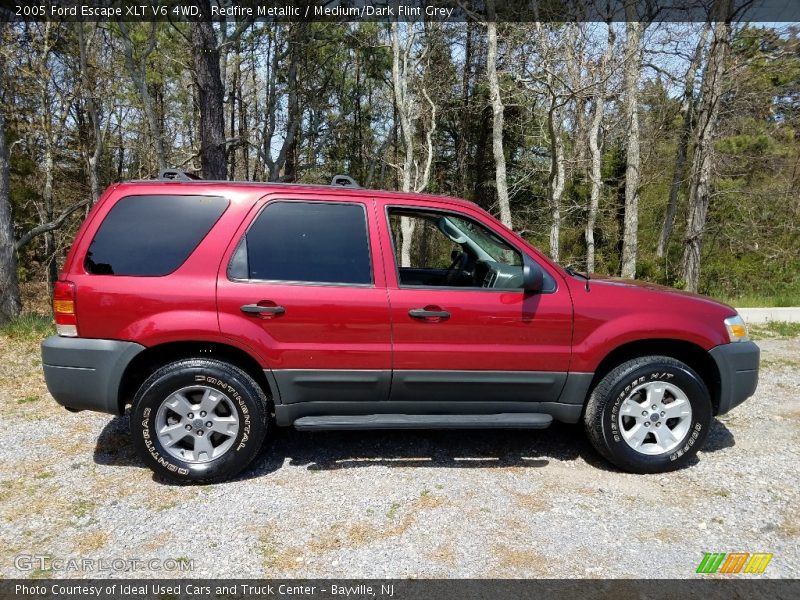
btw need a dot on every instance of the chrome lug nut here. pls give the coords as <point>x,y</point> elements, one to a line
<point>202,413</point>
<point>663,413</point>
<point>190,416</point>
<point>644,413</point>
<point>188,428</point>
<point>209,424</point>
<point>654,407</point>
<point>199,432</point>
<point>647,423</point>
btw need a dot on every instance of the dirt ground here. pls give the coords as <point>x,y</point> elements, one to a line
<point>396,504</point>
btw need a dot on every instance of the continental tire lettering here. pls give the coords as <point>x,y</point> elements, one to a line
<point>152,449</point>
<point>237,397</point>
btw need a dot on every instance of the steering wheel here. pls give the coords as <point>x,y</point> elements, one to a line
<point>455,269</point>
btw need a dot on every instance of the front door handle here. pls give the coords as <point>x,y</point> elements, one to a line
<point>257,309</point>
<point>429,313</point>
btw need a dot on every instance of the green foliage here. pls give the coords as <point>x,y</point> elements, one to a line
<point>751,246</point>
<point>29,327</point>
<point>773,329</point>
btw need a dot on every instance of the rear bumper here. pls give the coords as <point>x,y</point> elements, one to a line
<point>85,374</point>
<point>738,371</point>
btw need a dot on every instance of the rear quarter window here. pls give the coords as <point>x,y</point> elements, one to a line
<point>151,236</point>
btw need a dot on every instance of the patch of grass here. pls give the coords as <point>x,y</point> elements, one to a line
<point>392,512</point>
<point>775,329</point>
<point>768,301</point>
<point>41,574</point>
<point>29,326</point>
<point>82,508</point>
<point>27,399</point>
<point>777,363</point>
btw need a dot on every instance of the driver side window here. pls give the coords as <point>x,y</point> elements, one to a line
<point>437,249</point>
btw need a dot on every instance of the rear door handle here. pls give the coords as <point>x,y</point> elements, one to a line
<point>425,313</point>
<point>257,309</point>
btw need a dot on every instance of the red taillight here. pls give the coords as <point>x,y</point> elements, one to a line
<point>64,309</point>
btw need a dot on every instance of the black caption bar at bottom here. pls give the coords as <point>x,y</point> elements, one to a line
<point>397,589</point>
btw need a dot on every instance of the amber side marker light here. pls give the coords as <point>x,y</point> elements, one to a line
<point>737,330</point>
<point>64,309</point>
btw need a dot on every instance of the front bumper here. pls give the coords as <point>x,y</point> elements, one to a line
<point>738,372</point>
<point>85,374</point>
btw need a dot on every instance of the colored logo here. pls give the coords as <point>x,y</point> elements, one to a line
<point>734,562</point>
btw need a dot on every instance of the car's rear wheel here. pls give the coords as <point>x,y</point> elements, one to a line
<point>199,420</point>
<point>649,415</point>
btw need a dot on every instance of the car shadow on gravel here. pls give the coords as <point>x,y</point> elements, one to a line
<point>450,449</point>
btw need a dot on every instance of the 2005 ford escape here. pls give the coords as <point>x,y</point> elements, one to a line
<point>210,306</point>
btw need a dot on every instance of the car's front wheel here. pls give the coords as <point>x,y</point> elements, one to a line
<point>649,415</point>
<point>199,420</point>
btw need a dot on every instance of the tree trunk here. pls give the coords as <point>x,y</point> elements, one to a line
<point>47,196</point>
<point>700,182</point>
<point>557,174</point>
<point>10,302</point>
<point>137,75</point>
<point>284,166</point>
<point>576,53</point>
<point>497,123</point>
<point>89,92</point>
<point>244,130</point>
<point>403,104</point>
<point>687,114</point>
<point>210,94</point>
<point>293,101</point>
<point>596,157</point>
<point>461,141</point>
<point>632,172</point>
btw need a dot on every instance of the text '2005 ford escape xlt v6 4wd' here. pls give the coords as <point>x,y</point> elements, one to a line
<point>210,306</point>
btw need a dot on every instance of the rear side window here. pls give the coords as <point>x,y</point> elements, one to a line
<point>151,235</point>
<point>313,242</point>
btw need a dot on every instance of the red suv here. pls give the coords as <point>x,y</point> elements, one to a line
<point>210,307</point>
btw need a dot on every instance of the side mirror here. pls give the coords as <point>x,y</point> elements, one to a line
<point>532,276</point>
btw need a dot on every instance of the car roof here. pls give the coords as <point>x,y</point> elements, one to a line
<point>345,192</point>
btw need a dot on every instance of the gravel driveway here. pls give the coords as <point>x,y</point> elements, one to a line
<point>400,504</point>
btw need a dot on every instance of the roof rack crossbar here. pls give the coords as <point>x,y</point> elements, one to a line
<point>177,175</point>
<point>344,181</point>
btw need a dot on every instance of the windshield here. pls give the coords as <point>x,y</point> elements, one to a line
<point>487,241</point>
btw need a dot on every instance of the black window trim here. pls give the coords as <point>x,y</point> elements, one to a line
<point>188,256</point>
<point>459,288</point>
<point>337,284</point>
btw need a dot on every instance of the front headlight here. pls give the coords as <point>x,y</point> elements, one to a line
<point>737,330</point>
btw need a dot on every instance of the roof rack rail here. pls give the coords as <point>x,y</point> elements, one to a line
<point>177,175</point>
<point>344,181</point>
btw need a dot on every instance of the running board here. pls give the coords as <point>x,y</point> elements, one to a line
<point>497,421</point>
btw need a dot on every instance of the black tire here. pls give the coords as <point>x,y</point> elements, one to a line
<point>602,418</point>
<point>246,397</point>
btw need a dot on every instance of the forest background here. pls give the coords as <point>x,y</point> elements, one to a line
<point>664,151</point>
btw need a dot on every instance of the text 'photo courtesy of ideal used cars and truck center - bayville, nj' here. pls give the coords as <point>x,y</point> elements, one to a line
<point>388,299</point>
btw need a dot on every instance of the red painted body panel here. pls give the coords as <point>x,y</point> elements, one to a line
<point>488,330</point>
<point>617,312</point>
<point>368,327</point>
<point>324,326</point>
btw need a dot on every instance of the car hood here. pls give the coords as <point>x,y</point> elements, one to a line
<point>644,286</point>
